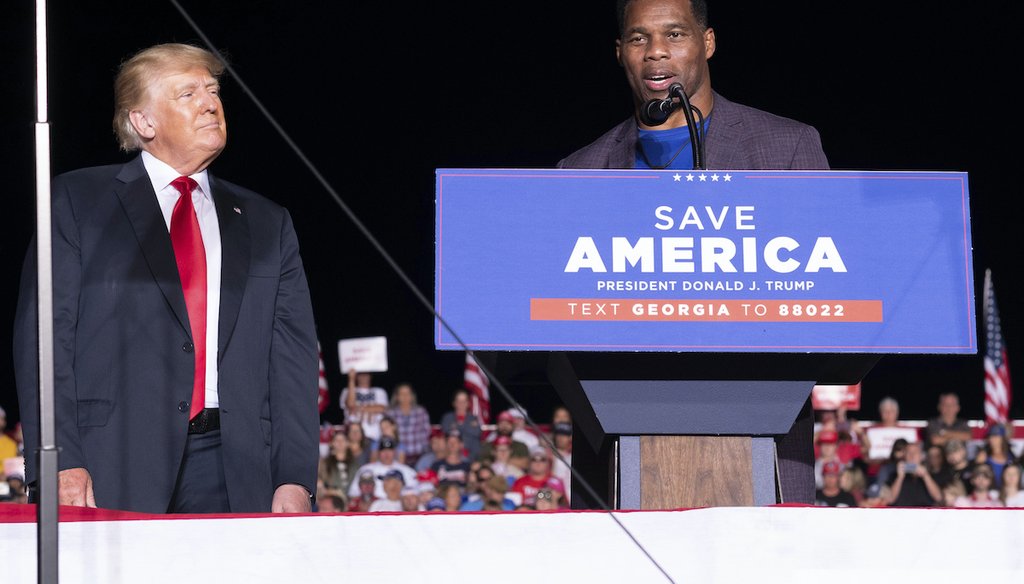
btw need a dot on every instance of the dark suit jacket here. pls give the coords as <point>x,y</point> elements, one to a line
<point>123,360</point>
<point>738,138</point>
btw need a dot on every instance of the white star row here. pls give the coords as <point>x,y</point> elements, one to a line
<point>702,177</point>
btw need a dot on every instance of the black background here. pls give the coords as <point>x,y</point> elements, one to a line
<point>378,95</point>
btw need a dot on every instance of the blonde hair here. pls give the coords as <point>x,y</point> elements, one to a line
<point>854,478</point>
<point>135,76</point>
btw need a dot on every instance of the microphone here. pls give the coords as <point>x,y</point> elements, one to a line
<point>656,111</point>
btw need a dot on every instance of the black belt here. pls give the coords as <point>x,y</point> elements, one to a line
<point>205,421</point>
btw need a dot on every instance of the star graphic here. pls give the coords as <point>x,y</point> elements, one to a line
<point>714,177</point>
<point>689,177</point>
<point>676,177</point>
<point>703,177</point>
<point>728,177</point>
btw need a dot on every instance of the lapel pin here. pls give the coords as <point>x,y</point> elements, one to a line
<point>237,210</point>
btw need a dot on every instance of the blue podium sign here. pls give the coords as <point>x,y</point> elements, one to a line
<point>704,261</point>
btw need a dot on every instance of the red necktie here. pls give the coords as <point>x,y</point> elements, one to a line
<point>190,256</point>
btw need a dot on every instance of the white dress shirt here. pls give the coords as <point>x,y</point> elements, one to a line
<point>161,174</point>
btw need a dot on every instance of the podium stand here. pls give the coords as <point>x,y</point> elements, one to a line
<point>684,319</point>
<point>669,431</point>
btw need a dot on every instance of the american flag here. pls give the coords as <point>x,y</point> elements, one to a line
<point>477,384</point>
<point>323,395</point>
<point>998,392</point>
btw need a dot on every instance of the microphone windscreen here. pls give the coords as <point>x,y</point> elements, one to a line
<point>656,111</point>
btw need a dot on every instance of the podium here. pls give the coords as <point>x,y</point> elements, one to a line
<point>684,320</point>
<point>670,431</point>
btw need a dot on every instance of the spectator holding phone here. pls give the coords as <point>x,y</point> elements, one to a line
<point>913,485</point>
<point>887,471</point>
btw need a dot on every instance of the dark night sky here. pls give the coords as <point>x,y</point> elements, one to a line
<point>379,95</point>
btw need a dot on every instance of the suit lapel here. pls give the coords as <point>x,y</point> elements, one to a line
<point>623,155</point>
<point>723,133</point>
<point>140,205</point>
<point>235,252</point>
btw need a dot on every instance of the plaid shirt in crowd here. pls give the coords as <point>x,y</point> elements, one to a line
<point>413,429</point>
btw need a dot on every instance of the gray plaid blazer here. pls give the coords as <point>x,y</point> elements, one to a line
<point>738,138</point>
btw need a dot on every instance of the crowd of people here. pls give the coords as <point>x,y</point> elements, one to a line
<point>390,455</point>
<point>894,464</point>
<point>12,482</point>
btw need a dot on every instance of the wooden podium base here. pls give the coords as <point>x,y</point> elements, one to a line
<point>675,472</point>
<point>694,471</point>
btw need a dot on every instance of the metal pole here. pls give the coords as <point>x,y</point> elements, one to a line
<point>46,509</point>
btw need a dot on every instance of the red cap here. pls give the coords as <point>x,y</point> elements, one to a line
<point>831,467</point>
<point>427,476</point>
<point>828,437</point>
<point>556,484</point>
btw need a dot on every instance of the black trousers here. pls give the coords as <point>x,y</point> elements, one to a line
<point>201,487</point>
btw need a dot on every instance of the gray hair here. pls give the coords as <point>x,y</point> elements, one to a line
<point>888,401</point>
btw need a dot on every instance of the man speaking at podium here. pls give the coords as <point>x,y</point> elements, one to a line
<point>185,359</point>
<point>664,47</point>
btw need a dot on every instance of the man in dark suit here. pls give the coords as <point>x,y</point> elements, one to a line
<point>185,357</point>
<point>662,42</point>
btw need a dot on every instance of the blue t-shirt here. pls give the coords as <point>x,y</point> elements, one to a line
<point>478,505</point>
<point>669,149</point>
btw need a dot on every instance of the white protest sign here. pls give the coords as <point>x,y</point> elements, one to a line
<point>882,438</point>
<point>14,466</point>
<point>364,354</point>
<point>832,397</point>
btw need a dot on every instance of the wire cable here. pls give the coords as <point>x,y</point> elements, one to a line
<point>408,281</point>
